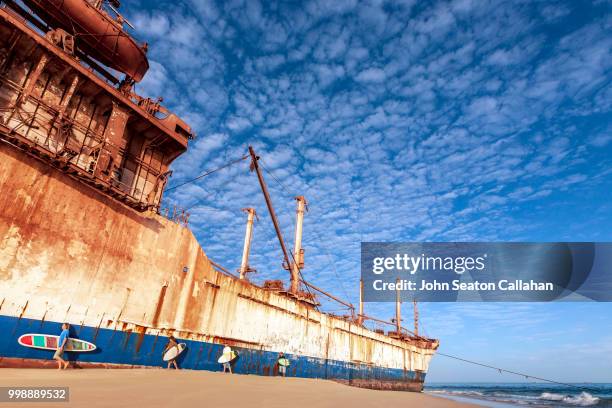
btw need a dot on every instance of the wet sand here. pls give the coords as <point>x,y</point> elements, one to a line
<point>145,388</point>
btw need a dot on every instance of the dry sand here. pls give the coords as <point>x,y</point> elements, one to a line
<point>144,388</point>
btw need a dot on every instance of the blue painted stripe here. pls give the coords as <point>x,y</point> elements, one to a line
<point>119,347</point>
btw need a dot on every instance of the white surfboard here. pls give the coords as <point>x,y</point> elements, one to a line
<point>174,351</point>
<point>227,357</point>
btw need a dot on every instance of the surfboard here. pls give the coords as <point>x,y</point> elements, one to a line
<point>227,357</point>
<point>173,352</point>
<point>284,362</point>
<point>49,342</point>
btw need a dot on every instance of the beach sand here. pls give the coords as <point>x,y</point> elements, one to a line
<point>145,388</point>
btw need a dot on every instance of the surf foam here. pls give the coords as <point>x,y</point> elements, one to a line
<point>583,400</point>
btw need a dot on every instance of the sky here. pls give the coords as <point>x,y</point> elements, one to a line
<point>400,121</point>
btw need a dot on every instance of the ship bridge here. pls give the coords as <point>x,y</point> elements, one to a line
<point>59,105</point>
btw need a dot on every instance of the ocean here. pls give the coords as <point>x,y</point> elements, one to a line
<point>498,395</point>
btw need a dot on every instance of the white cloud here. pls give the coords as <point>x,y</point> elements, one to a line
<point>155,25</point>
<point>461,113</point>
<point>154,81</point>
<point>238,124</point>
<point>602,139</point>
<point>375,75</point>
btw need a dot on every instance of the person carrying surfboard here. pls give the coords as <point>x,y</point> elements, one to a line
<point>61,344</point>
<point>283,363</point>
<point>171,343</point>
<point>226,359</point>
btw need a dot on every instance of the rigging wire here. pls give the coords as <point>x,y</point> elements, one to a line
<point>216,206</point>
<point>294,226</point>
<point>274,177</point>
<point>329,257</point>
<point>527,376</point>
<point>209,172</point>
<point>332,263</point>
<point>213,194</point>
<point>210,194</point>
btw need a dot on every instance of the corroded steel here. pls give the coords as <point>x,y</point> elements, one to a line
<point>96,33</point>
<point>58,111</point>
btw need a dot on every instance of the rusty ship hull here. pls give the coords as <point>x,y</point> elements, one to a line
<point>99,273</point>
<point>83,166</point>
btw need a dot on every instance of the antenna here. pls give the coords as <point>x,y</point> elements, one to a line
<point>416,318</point>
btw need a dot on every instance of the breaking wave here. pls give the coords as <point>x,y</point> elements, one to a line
<point>527,394</point>
<point>584,399</point>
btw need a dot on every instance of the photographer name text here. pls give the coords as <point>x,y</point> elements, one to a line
<point>457,285</point>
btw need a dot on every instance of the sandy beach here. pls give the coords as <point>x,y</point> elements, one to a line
<point>164,388</point>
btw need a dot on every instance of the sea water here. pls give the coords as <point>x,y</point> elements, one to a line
<point>534,395</point>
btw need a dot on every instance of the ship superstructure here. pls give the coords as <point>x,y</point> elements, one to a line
<point>71,115</point>
<point>84,162</point>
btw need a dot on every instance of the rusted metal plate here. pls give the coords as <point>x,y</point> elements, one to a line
<point>63,114</point>
<point>31,42</point>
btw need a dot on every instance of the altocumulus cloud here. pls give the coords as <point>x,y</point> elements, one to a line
<point>446,120</point>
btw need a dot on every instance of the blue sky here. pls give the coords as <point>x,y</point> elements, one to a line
<point>401,121</point>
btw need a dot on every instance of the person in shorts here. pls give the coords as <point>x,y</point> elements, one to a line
<point>228,354</point>
<point>61,345</point>
<point>171,343</point>
<point>282,364</point>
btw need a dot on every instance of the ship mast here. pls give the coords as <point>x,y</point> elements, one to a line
<point>416,319</point>
<point>298,252</point>
<point>360,315</point>
<point>398,310</point>
<point>248,235</point>
<point>264,188</point>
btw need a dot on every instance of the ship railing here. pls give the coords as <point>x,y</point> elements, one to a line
<point>89,143</point>
<point>175,214</point>
<point>404,333</point>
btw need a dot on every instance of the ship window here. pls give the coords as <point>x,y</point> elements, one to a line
<point>181,131</point>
